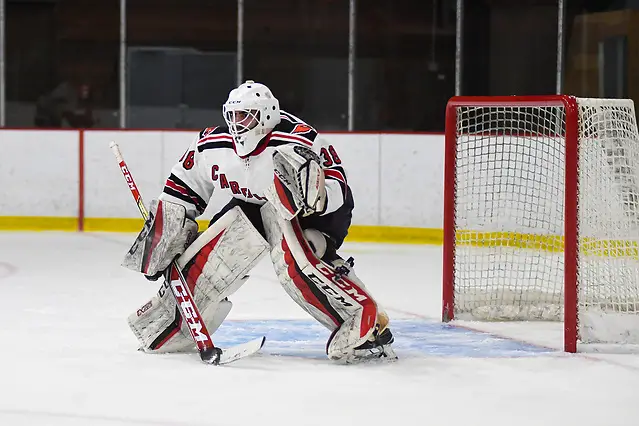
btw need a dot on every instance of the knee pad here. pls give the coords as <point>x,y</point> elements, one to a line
<point>316,241</point>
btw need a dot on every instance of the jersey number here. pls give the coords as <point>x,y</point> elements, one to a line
<point>330,156</point>
<point>189,161</point>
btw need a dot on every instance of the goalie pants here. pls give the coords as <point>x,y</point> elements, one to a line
<point>333,225</point>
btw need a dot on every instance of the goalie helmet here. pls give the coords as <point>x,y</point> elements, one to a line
<point>250,112</point>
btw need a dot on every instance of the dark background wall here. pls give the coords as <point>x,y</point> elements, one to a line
<point>405,50</point>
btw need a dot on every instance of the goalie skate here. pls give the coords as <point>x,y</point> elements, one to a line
<point>378,345</point>
<point>377,348</point>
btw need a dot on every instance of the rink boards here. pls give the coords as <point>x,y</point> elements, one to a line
<point>68,180</point>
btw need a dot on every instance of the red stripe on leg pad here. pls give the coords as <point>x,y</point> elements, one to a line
<point>200,259</point>
<point>301,285</point>
<point>356,292</point>
<point>157,234</point>
<point>168,337</point>
<point>369,307</point>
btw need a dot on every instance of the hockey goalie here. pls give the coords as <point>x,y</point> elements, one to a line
<point>289,199</point>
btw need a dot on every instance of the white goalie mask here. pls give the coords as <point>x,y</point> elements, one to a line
<point>250,112</point>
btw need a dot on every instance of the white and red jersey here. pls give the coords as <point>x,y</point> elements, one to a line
<point>211,164</point>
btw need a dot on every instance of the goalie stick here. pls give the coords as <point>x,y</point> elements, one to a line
<point>209,353</point>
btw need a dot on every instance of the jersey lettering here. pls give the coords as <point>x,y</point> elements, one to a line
<point>233,185</point>
<point>189,161</point>
<point>223,182</point>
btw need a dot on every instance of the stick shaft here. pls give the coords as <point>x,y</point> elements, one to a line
<point>183,295</point>
<point>129,180</point>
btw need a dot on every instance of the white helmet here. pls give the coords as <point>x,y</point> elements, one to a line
<point>251,112</point>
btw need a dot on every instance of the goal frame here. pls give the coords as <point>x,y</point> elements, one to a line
<point>571,182</point>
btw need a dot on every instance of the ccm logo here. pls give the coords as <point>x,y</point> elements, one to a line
<point>330,290</point>
<point>128,177</point>
<point>191,315</point>
<point>343,284</point>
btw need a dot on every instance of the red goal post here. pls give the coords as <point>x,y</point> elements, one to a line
<point>541,214</point>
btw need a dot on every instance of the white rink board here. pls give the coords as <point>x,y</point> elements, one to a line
<point>412,180</point>
<point>39,173</point>
<point>107,194</point>
<point>360,155</point>
<point>397,179</point>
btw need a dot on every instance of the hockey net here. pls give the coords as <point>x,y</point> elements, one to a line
<point>542,214</point>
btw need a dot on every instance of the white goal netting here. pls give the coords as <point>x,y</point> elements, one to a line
<point>509,207</point>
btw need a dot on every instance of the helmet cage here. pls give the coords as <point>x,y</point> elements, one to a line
<point>242,120</point>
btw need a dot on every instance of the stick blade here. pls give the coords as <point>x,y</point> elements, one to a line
<point>243,350</point>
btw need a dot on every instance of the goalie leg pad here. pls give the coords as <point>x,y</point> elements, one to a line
<point>159,327</point>
<point>215,266</point>
<point>377,345</point>
<point>337,302</point>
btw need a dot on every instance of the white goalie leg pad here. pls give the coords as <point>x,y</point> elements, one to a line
<point>340,304</point>
<point>340,346</point>
<point>215,266</point>
<point>382,317</point>
<point>159,327</point>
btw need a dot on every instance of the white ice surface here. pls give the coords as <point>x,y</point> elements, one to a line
<point>67,356</point>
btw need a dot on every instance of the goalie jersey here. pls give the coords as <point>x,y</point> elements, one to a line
<point>211,164</point>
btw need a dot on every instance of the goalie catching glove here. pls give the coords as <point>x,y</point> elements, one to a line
<point>298,182</point>
<point>165,235</point>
